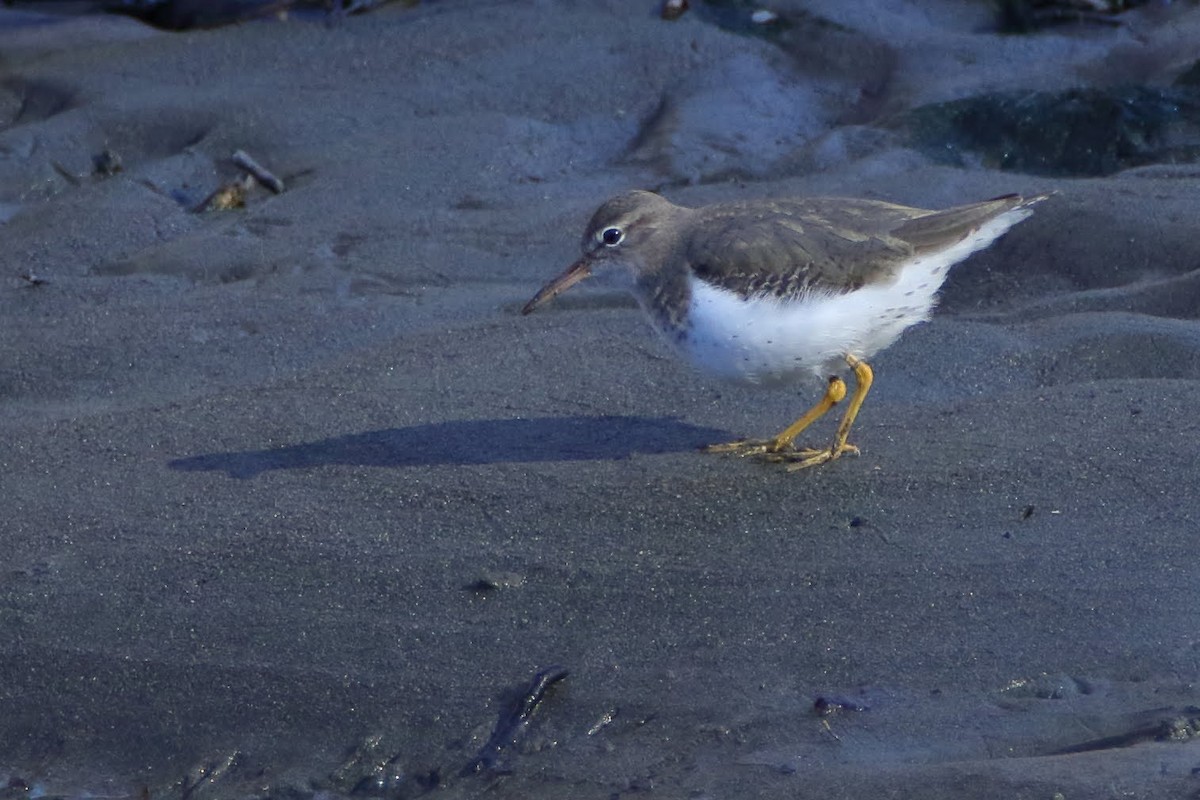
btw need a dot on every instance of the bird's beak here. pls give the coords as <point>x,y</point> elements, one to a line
<point>573,275</point>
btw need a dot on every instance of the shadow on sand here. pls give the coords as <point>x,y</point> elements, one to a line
<point>471,442</point>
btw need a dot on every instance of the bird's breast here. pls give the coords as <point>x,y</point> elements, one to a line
<point>766,339</point>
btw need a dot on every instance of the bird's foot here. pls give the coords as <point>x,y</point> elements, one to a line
<point>803,459</point>
<point>750,447</point>
<point>773,451</point>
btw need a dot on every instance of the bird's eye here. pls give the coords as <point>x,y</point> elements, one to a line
<point>612,236</point>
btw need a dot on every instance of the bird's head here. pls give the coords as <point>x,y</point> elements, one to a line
<point>629,234</point>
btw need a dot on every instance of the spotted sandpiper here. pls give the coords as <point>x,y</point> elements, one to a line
<point>770,291</point>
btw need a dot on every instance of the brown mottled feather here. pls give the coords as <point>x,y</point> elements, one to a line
<point>787,247</point>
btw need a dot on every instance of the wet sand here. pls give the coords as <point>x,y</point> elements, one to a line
<point>298,503</point>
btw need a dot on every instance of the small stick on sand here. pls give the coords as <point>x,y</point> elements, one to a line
<point>260,173</point>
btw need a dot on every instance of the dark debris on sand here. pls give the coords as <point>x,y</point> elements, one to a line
<point>182,15</point>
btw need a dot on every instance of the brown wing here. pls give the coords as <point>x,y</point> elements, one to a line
<point>790,246</point>
<point>832,244</point>
<point>940,229</point>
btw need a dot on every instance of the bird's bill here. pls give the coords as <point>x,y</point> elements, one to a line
<point>573,275</point>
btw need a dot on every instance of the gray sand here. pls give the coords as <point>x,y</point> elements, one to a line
<point>258,466</point>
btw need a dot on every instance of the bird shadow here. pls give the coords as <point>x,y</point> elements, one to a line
<point>491,441</point>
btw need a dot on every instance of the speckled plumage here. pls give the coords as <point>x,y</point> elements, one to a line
<point>767,291</point>
<point>792,261</point>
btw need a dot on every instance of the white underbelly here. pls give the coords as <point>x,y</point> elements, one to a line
<point>766,340</point>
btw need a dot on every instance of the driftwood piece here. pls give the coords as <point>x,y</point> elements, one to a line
<point>260,173</point>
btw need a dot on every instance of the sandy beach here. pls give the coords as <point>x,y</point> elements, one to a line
<point>298,505</point>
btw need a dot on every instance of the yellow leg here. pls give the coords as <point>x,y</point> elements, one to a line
<point>782,443</point>
<point>834,394</point>
<point>864,377</point>
<point>780,448</point>
<point>863,380</point>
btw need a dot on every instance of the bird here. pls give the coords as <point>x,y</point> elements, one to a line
<point>771,292</point>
